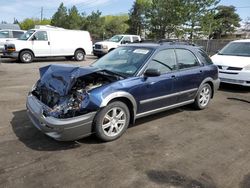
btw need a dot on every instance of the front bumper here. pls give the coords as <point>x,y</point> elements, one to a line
<point>59,129</point>
<point>10,55</point>
<point>98,52</point>
<point>235,77</point>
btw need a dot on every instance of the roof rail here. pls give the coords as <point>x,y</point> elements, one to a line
<point>173,42</point>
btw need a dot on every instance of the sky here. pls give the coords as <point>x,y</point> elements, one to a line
<point>21,9</point>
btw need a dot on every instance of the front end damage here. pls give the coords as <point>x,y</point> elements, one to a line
<point>61,103</point>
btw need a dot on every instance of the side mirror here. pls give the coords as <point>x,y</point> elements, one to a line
<point>33,37</point>
<point>152,73</point>
<point>123,42</point>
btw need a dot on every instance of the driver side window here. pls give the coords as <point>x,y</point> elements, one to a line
<point>164,61</point>
<point>41,35</point>
<point>126,40</point>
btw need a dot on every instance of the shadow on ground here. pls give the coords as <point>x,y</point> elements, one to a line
<point>176,179</point>
<point>234,88</point>
<point>33,138</point>
<point>37,60</point>
<point>36,140</point>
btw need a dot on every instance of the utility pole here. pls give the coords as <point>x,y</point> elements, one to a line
<point>41,14</point>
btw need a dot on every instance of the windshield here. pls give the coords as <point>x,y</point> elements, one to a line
<point>4,34</point>
<point>125,61</point>
<point>116,38</point>
<point>236,49</point>
<point>26,35</point>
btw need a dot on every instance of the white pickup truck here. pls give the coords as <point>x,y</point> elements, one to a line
<point>103,47</point>
<point>49,41</point>
<point>8,35</point>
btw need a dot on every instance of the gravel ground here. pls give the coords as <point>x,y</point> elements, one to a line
<point>180,148</point>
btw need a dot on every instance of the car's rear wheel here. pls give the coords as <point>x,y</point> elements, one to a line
<point>26,56</point>
<point>112,121</point>
<point>79,55</point>
<point>203,97</point>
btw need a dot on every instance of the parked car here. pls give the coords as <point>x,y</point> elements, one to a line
<point>8,35</point>
<point>233,62</point>
<point>49,42</point>
<point>132,81</point>
<point>103,47</point>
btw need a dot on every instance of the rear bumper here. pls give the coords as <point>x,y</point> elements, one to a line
<point>59,129</point>
<point>216,84</point>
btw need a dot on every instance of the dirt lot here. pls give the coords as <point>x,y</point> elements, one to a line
<point>178,148</point>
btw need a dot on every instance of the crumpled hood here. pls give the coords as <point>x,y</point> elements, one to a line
<point>60,78</point>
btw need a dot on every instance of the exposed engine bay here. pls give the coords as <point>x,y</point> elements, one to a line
<point>74,103</point>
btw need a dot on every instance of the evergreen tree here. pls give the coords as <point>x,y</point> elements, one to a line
<point>59,19</point>
<point>137,21</point>
<point>74,19</point>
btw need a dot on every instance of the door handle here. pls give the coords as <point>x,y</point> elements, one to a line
<point>48,42</point>
<point>201,71</point>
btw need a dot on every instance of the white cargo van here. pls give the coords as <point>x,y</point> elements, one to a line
<point>48,41</point>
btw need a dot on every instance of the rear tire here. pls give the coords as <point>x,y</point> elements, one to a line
<point>26,56</point>
<point>79,55</point>
<point>112,121</point>
<point>203,97</point>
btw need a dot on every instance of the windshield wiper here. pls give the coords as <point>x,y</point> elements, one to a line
<point>115,73</point>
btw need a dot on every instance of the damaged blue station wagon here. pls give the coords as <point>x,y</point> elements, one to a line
<point>133,81</point>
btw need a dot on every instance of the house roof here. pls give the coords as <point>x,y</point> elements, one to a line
<point>9,26</point>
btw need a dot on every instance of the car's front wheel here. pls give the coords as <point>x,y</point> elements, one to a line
<point>112,121</point>
<point>26,56</point>
<point>203,96</point>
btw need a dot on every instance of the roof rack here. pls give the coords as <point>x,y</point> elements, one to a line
<point>174,42</point>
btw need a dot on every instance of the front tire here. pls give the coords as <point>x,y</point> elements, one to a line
<point>79,55</point>
<point>26,56</point>
<point>203,97</point>
<point>112,121</point>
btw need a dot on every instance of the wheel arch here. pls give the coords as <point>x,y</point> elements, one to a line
<point>80,49</point>
<point>26,49</point>
<point>124,97</point>
<point>111,49</point>
<point>209,81</point>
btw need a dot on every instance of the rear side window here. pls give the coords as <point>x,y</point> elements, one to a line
<point>186,59</point>
<point>41,35</point>
<point>126,39</point>
<point>17,34</point>
<point>204,58</point>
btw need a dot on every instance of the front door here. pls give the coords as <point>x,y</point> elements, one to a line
<point>157,92</point>
<point>40,44</point>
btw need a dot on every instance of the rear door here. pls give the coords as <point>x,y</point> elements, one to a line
<point>190,75</point>
<point>41,44</point>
